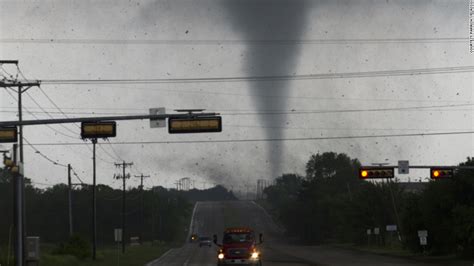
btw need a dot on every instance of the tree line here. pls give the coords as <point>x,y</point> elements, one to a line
<point>330,204</point>
<point>152,214</point>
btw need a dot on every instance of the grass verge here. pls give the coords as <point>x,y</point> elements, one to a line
<point>136,255</point>
<point>396,251</point>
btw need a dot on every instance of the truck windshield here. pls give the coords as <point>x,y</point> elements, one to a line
<point>237,238</point>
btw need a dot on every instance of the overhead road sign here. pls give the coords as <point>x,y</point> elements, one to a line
<point>8,134</point>
<point>376,172</point>
<point>95,130</point>
<point>195,125</point>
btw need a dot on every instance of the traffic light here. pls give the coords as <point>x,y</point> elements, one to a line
<point>8,162</point>
<point>94,130</point>
<point>8,134</point>
<point>376,172</point>
<point>195,125</point>
<point>441,172</point>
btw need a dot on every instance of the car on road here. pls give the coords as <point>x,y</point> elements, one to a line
<point>239,246</point>
<point>193,238</point>
<point>205,241</point>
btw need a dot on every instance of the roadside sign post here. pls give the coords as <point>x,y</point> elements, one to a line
<point>377,233</point>
<point>118,238</point>
<point>369,232</point>
<point>391,229</point>
<point>423,236</point>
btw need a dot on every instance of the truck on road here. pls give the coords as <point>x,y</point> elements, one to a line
<point>239,246</point>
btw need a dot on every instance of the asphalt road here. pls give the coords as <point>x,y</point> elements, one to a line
<point>212,217</point>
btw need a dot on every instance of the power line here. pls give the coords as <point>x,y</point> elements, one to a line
<point>77,176</point>
<point>270,139</point>
<point>233,42</point>
<point>47,113</point>
<point>306,98</point>
<point>344,129</point>
<point>64,114</point>
<point>379,73</point>
<point>348,110</point>
<point>57,131</point>
<point>43,155</point>
<point>301,111</point>
<point>49,126</point>
<point>180,91</point>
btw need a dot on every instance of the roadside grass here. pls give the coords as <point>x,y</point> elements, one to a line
<point>134,255</point>
<point>398,251</point>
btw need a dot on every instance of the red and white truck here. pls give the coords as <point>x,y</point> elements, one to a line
<point>239,246</point>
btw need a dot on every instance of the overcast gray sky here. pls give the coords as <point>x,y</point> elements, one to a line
<point>212,38</point>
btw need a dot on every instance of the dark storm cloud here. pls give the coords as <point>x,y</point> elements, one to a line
<point>270,20</point>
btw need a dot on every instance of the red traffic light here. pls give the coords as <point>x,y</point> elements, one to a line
<point>376,172</point>
<point>440,173</point>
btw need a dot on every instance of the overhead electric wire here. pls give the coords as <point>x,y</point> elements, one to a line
<point>43,155</point>
<point>180,91</point>
<point>346,110</point>
<point>8,73</point>
<point>59,132</point>
<point>48,126</point>
<point>362,74</point>
<point>233,42</point>
<point>342,129</point>
<point>425,134</point>
<point>48,114</point>
<point>77,176</point>
<point>64,114</point>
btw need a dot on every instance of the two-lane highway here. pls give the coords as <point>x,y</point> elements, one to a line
<point>212,217</point>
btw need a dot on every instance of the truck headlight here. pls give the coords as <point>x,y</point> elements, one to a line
<point>254,255</point>
<point>220,256</point>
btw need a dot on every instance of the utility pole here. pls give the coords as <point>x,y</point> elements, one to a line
<point>124,177</point>
<point>69,185</point>
<point>94,201</point>
<point>142,208</point>
<point>20,202</point>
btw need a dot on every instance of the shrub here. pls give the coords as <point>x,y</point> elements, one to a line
<point>76,246</point>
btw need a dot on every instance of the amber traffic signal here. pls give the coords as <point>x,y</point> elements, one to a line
<point>195,125</point>
<point>376,172</point>
<point>95,130</point>
<point>8,134</point>
<point>440,173</point>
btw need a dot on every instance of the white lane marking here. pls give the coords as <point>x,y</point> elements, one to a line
<point>192,222</point>
<point>151,263</point>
